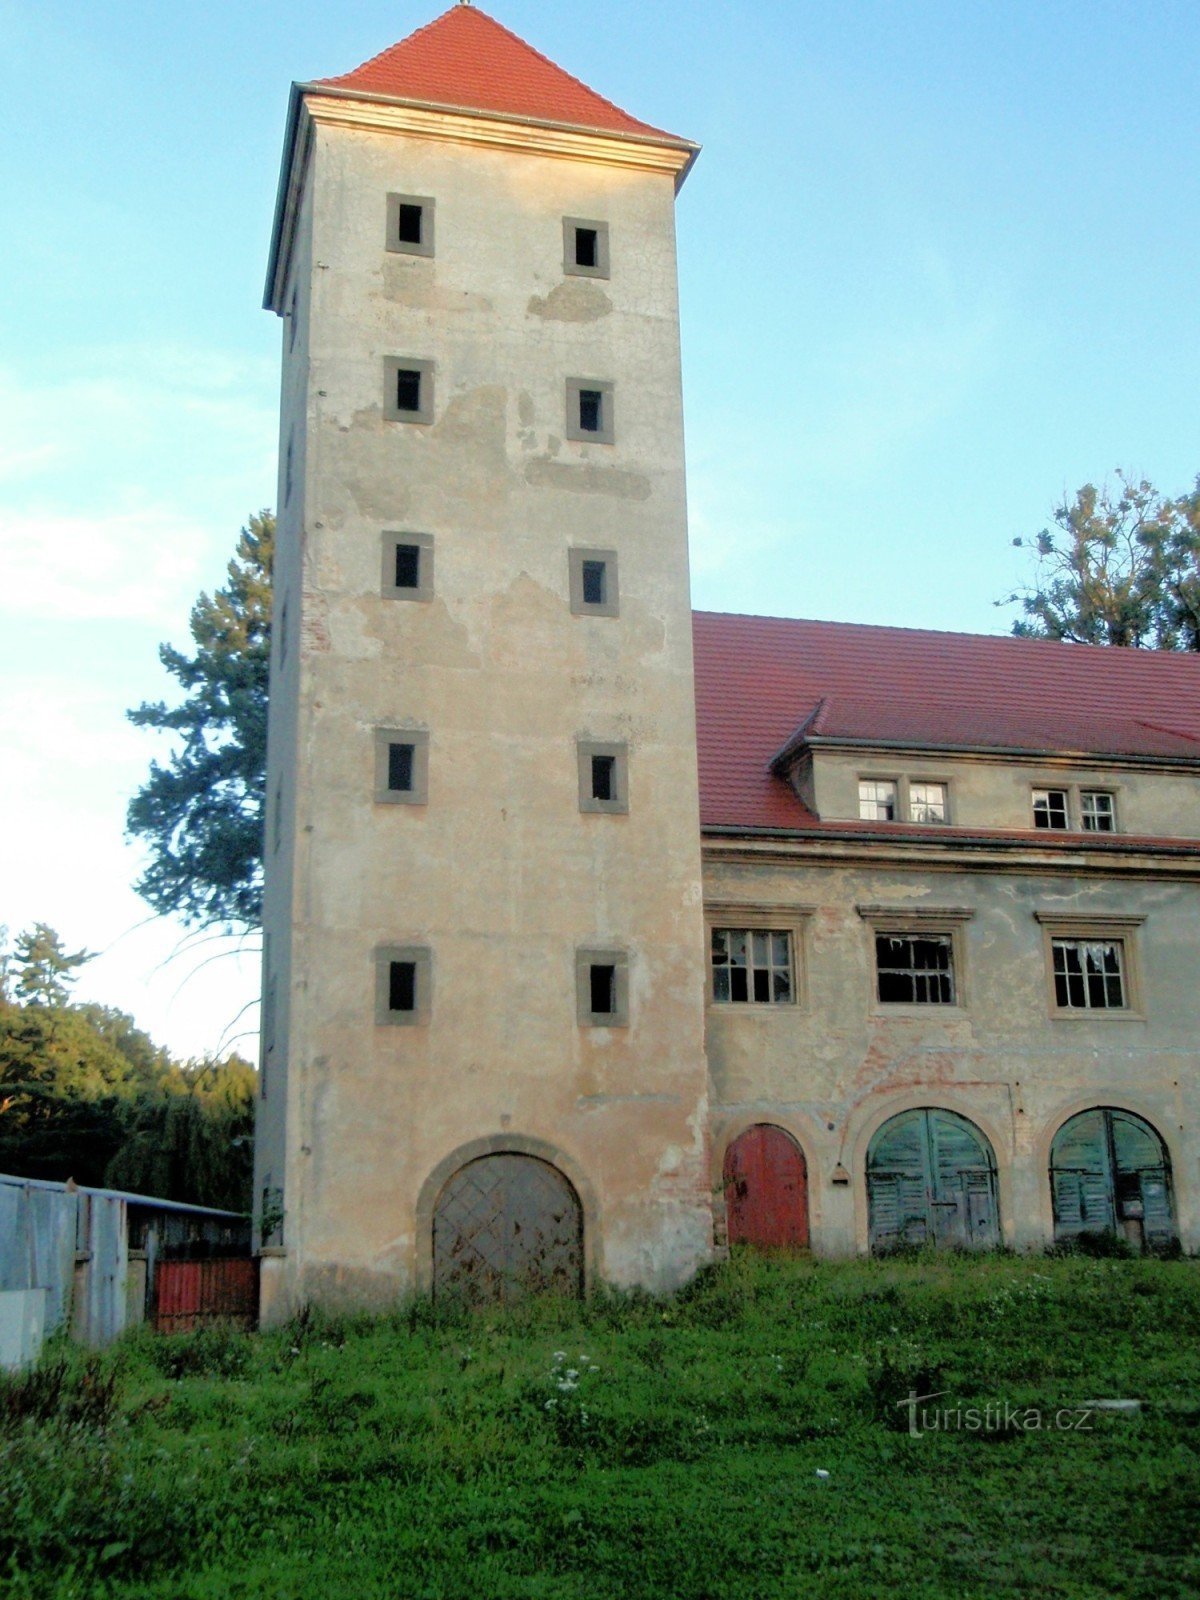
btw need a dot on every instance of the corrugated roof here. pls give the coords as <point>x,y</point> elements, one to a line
<point>760,680</point>
<point>466,60</point>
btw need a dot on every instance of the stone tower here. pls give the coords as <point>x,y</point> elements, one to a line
<point>483,1054</point>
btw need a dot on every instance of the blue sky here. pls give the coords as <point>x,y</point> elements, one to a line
<point>937,268</point>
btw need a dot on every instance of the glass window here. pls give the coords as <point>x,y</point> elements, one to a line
<point>1097,812</point>
<point>927,802</point>
<point>752,966</point>
<point>915,969</point>
<point>1050,808</point>
<point>1089,974</point>
<point>877,799</point>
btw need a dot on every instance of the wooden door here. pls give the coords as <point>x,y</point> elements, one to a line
<point>507,1225</point>
<point>931,1179</point>
<point>766,1190</point>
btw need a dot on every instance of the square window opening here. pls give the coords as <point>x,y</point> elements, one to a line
<point>604,777</point>
<point>602,979</point>
<point>408,389</point>
<point>595,583</point>
<point>587,247</point>
<point>402,986</point>
<point>400,768</point>
<point>591,411</point>
<point>409,223</point>
<point>408,566</point>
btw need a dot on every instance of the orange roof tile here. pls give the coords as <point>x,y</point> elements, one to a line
<point>466,60</point>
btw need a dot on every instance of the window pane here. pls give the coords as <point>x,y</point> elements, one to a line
<point>760,949</point>
<point>762,985</point>
<point>737,949</point>
<point>927,802</point>
<point>402,986</point>
<point>1049,808</point>
<point>779,950</point>
<point>408,390</point>
<point>594,585</point>
<point>720,944</point>
<point>400,767</point>
<point>782,981</point>
<point>590,419</point>
<point>408,566</point>
<point>876,800</point>
<point>1096,811</point>
<point>739,988</point>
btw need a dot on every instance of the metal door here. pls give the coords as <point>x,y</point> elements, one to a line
<point>931,1179</point>
<point>1109,1173</point>
<point>766,1190</point>
<point>505,1226</point>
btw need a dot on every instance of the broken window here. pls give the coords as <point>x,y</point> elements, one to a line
<point>1097,813</point>
<point>927,802</point>
<point>877,799</point>
<point>915,969</point>
<point>752,966</point>
<point>1089,974</point>
<point>1050,808</point>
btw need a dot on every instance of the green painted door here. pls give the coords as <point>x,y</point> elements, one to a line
<point>1109,1173</point>
<point>931,1179</point>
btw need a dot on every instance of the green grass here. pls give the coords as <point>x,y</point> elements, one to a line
<point>438,1456</point>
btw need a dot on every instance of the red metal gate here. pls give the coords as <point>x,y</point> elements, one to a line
<point>190,1294</point>
<point>766,1190</point>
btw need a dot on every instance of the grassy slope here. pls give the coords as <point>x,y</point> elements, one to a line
<point>420,1457</point>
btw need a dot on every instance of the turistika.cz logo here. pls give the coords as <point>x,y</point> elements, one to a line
<point>998,1416</point>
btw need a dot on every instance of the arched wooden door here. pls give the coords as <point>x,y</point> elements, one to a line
<point>1110,1173</point>
<point>931,1179</point>
<point>766,1190</point>
<point>504,1226</point>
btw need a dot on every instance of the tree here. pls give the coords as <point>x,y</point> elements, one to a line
<point>201,814</point>
<point>45,972</point>
<point>1121,567</point>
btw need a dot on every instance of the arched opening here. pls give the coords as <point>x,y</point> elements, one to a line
<point>766,1190</point>
<point>1110,1173</point>
<point>504,1226</point>
<point>931,1180</point>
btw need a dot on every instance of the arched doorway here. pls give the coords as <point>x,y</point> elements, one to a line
<point>1110,1173</point>
<point>766,1190</point>
<point>931,1179</point>
<point>504,1226</point>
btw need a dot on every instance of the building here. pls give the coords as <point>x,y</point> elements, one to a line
<point>557,987</point>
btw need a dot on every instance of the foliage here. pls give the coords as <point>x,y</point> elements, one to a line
<point>201,814</point>
<point>733,1442</point>
<point>85,1094</point>
<point>1121,567</point>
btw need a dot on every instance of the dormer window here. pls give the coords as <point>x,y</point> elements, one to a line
<point>878,799</point>
<point>927,803</point>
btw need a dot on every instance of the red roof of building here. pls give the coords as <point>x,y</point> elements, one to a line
<point>468,61</point>
<point>764,683</point>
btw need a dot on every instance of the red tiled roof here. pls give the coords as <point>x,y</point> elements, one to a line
<point>759,680</point>
<point>467,60</point>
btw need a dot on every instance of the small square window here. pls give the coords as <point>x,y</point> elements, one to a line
<point>915,969</point>
<point>603,776</point>
<point>602,988</point>
<point>1097,811</point>
<point>593,582</point>
<point>1050,809</point>
<point>407,389</point>
<point>410,224</point>
<point>590,404</point>
<point>877,799</point>
<point>407,566</point>
<point>1089,974</point>
<point>927,802</point>
<point>401,766</point>
<point>752,966</point>
<point>403,984</point>
<point>585,248</point>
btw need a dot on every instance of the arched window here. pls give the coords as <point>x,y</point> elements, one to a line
<point>504,1226</point>
<point>1110,1173</point>
<point>931,1179</point>
<point>766,1190</point>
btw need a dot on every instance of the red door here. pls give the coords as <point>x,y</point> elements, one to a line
<point>766,1190</point>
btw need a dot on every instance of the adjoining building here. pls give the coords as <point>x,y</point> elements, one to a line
<point>598,933</point>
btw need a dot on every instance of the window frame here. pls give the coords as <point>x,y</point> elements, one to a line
<point>607,389</point>
<point>587,957</point>
<point>908,922</point>
<point>421,956</point>
<point>571,267</point>
<point>1075,792</point>
<point>1091,793</point>
<point>585,749</point>
<point>759,917</point>
<point>389,588</point>
<point>392,367</point>
<point>418,738</point>
<point>577,555</point>
<point>1117,928</point>
<point>903,782</point>
<point>403,247</point>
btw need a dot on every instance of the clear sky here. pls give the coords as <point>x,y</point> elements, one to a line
<point>938,266</point>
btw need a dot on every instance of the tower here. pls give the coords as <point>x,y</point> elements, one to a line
<point>483,1054</point>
